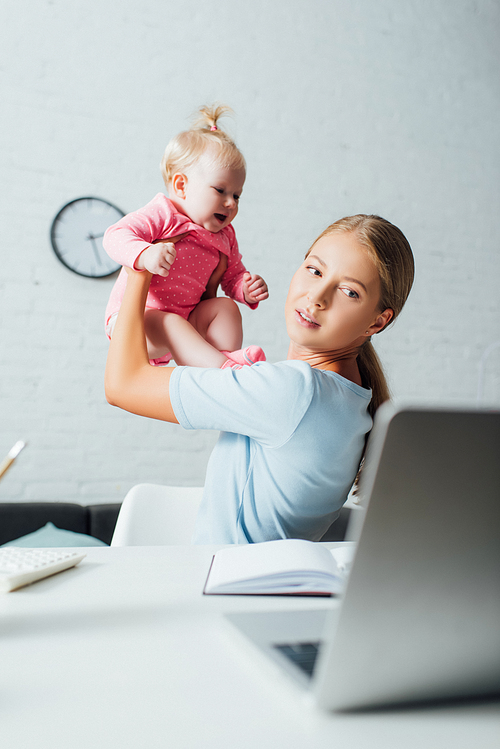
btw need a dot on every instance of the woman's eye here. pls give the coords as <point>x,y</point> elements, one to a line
<point>313,271</point>
<point>350,293</point>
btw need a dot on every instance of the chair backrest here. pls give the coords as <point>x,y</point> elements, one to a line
<point>154,515</point>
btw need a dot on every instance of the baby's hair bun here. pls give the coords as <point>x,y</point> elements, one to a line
<point>208,116</point>
<point>204,137</point>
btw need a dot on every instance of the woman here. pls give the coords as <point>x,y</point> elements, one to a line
<point>292,433</point>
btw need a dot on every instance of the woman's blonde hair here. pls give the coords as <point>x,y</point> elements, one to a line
<point>205,136</point>
<point>391,253</point>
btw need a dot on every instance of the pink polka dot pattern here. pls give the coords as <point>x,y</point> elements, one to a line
<point>197,257</point>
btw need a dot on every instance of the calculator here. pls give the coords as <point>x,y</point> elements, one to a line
<point>21,566</point>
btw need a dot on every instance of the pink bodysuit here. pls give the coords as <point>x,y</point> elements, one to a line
<point>197,258</point>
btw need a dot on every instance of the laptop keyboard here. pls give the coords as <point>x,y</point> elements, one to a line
<point>302,654</point>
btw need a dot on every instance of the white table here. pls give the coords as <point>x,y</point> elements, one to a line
<point>124,651</point>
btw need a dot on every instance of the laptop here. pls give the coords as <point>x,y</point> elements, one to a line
<point>419,619</point>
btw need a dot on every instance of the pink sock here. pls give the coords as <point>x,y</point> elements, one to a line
<point>163,361</point>
<point>243,357</point>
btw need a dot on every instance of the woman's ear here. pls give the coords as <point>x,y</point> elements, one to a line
<point>178,185</point>
<point>381,322</point>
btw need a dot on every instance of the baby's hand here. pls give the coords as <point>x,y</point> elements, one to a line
<point>254,289</point>
<point>157,258</point>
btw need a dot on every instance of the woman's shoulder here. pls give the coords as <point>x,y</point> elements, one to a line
<point>286,384</point>
<point>342,383</point>
<point>289,369</point>
<point>295,368</point>
<point>322,385</point>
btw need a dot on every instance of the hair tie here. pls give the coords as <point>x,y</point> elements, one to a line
<point>214,127</point>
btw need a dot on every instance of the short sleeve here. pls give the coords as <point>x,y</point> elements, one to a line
<point>265,402</point>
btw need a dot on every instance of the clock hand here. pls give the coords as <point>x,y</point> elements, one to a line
<point>95,248</point>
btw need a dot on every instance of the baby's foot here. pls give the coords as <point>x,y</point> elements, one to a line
<point>163,361</point>
<point>243,357</point>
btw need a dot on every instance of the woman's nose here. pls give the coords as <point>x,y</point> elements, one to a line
<point>318,295</point>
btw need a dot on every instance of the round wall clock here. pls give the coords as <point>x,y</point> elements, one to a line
<point>76,236</point>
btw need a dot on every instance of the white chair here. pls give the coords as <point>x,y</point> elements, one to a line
<point>154,515</point>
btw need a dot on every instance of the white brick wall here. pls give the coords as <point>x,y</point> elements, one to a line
<point>342,107</point>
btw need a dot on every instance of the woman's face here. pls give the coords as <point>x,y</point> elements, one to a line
<point>333,300</point>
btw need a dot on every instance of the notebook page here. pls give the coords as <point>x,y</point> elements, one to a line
<point>270,558</point>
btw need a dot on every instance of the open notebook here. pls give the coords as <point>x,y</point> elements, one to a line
<point>286,567</point>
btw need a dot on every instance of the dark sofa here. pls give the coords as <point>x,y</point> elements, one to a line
<point>19,518</point>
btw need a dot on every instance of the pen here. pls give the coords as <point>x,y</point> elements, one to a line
<point>11,456</point>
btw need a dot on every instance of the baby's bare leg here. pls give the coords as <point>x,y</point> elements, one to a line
<point>218,321</point>
<point>167,332</point>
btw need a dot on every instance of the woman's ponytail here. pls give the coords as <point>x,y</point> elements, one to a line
<point>372,376</point>
<point>391,254</point>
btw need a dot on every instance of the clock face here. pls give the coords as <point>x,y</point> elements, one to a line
<point>76,235</point>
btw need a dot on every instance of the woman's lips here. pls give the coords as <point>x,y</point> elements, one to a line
<point>307,321</point>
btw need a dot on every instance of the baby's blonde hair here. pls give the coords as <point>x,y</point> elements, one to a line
<point>205,136</point>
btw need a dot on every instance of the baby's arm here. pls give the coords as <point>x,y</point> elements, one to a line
<point>137,231</point>
<point>244,287</point>
<point>253,288</point>
<point>238,283</point>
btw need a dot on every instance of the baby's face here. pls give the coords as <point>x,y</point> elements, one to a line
<point>211,194</point>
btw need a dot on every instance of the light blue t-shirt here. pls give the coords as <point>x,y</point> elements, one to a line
<point>289,449</point>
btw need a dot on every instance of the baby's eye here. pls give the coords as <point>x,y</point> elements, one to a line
<point>219,190</point>
<point>236,197</point>
<point>350,293</point>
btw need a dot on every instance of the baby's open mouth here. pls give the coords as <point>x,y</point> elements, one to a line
<point>220,217</point>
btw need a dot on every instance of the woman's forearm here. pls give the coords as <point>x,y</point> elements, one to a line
<point>130,381</point>
<point>127,350</point>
